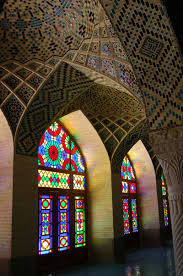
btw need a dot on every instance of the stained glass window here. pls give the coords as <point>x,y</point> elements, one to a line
<point>63,223</point>
<point>163,185</point>
<point>124,187</point>
<point>45,224</point>
<point>79,222</point>
<point>61,176</point>
<point>77,164</point>
<point>54,148</point>
<point>129,197</point>
<point>165,211</point>
<point>78,182</point>
<point>134,215</point>
<point>127,170</point>
<point>53,179</point>
<point>132,188</point>
<point>165,201</point>
<point>126,216</point>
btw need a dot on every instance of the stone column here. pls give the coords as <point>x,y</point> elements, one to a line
<point>168,147</point>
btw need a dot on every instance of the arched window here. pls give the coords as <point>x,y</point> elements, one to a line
<point>129,197</point>
<point>165,199</point>
<point>62,192</point>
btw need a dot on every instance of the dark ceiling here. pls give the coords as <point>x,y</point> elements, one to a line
<point>175,12</point>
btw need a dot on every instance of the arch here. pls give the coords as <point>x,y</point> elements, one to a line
<point>146,179</point>
<point>59,95</point>
<point>149,234</point>
<point>62,186</point>
<point>23,235</point>
<point>100,207</point>
<point>62,87</point>
<point>164,211</point>
<point>6,193</point>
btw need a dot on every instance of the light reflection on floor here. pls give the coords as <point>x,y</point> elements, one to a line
<point>147,262</point>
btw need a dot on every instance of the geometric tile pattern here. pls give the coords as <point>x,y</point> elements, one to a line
<point>107,111</point>
<point>23,73</point>
<point>62,87</point>
<point>12,110</point>
<point>40,29</point>
<point>30,81</point>
<point>25,93</point>
<point>4,92</point>
<point>103,49</point>
<point>35,81</point>
<point>148,39</point>
<point>105,107</point>
<point>151,48</point>
<point>22,83</point>
<point>104,54</point>
<point>11,81</point>
<point>2,72</point>
<point>25,79</point>
<point>147,36</point>
<point>99,52</point>
<point>139,132</point>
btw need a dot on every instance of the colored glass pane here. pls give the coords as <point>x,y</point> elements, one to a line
<point>80,236</point>
<point>163,185</point>
<point>163,190</point>
<point>45,227</point>
<point>124,187</point>
<point>132,188</point>
<point>77,163</point>
<point>127,170</point>
<point>126,217</point>
<point>78,182</point>
<point>45,224</point>
<point>53,179</point>
<point>63,223</point>
<point>165,211</point>
<point>134,215</point>
<point>54,148</point>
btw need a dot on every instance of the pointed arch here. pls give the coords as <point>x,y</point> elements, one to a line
<point>62,192</point>
<point>129,197</point>
<point>6,193</point>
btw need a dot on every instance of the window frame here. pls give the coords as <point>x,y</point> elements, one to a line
<point>72,193</point>
<point>130,196</point>
<point>165,197</point>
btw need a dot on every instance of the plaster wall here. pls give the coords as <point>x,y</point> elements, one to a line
<point>99,184</point>
<point>146,181</point>
<point>6,187</point>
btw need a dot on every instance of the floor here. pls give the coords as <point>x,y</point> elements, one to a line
<point>147,262</point>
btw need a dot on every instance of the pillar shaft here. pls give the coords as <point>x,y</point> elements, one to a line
<point>168,147</point>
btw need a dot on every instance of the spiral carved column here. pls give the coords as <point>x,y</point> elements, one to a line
<point>168,147</point>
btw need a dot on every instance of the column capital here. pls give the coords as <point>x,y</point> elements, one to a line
<point>167,144</point>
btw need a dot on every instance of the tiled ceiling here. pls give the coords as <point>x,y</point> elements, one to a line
<point>146,33</point>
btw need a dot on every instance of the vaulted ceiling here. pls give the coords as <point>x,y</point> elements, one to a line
<point>114,115</point>
<point>131,47</point>
<point>146,33</point>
